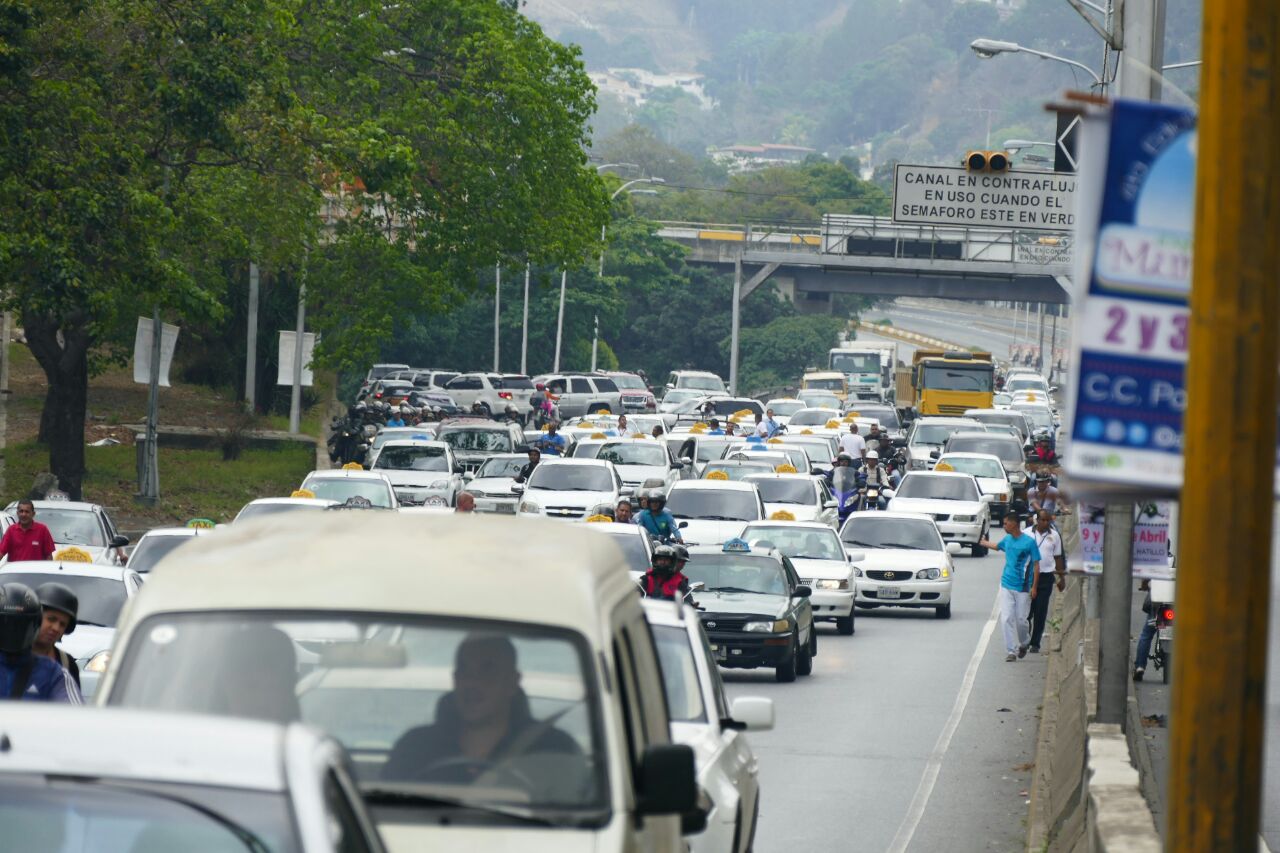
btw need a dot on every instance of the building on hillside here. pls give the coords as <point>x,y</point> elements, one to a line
<point>633,86</point>
<point>751,158</point>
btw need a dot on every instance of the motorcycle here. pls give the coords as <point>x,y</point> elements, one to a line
<point>347,441</point>
<point>847,486</point>
<point>1162,614</point>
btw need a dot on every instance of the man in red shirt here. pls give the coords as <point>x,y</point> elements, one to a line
<point>28,539</point>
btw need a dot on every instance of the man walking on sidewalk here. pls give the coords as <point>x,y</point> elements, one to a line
<point>1053,570</point>
<point>1021,560</point>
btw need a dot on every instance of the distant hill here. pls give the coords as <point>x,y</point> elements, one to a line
<point>654,34</point>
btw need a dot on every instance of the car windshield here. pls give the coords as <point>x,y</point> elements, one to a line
<point>551,477</point>
<point>835,384</point>
<point>820,399</point>
<point>412,458</point>
<point>73,526</point>
<point>702,383</point>
<point>485,440</point>
<point>847,362</point>
<point>97,814</point>
<point>936,433</point>
<point>712,448</point>
<point>633,453</point>
<point>785,408</point>
<point>736,470</point>
<point>798,543</point>
<point>339,489</point>
<point>633,549</point>
<point>1025,383</point>
<point>738,572</point>
<point>813,417</point>
<point>100,598</point>
<point>395,434</point>
<point>977,467</point>
<point>714,504</point>
<point>1012,419</point>
<point>733,406</point>
<point>818,451</point>
<point>883,531</point>
<point>887,417</point>
<point>679,674</point>
<point>628,382</point>
<point>956,378</point>
<point>1006,447</point>
<point>1039,416</point>
<point>795,457</point>
<point>681,395</point>
<point>938,488</point>
<point>785,490</point>
<point>397,692</point>
<point>152,549</point>
<point>261,510</point>
<point>380,370</point>
<point>501,466</point>
<point>1002,399</point>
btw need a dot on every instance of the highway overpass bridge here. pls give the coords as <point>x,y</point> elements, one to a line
<point>874,255</point>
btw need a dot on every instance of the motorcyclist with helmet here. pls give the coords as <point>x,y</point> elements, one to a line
<point>655,519</point>
<point>1043,451</point>
<point>842,460</point>
<point>24,674</point>
<point>664,578</point>
<point>877,476</point>
<point>60,606</point>
<point>1045,496</point>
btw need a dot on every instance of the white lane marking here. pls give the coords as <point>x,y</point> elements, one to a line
<point>931,770</point>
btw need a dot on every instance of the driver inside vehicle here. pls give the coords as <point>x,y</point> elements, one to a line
<point>483,723</point>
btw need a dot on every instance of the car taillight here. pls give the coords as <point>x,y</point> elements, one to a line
<point>378,396</point>
<point>506,395</point>
<point>1168,614</point>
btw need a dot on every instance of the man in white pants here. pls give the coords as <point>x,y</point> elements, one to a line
<point>1021,563</point>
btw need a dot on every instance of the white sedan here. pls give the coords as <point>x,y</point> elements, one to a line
<point>84,526</point>
<point>491,485</point>
<point>821,562</point>
<point>805,498</point>
<point>953,500</point>
<point>344,484</point>
<point>711,512</point>
<point>702,719</point>
<point>991,475</point>
<point>901,561</point>
<point>423,473</point>
<point>157,543</point>
<point>569,489</point>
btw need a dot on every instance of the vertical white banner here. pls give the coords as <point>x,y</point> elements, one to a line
<point>285,375</point>
<point>142,351</point>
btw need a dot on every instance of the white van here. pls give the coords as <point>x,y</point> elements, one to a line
<point>495,637</point>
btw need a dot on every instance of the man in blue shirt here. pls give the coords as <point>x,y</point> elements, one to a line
<point>655,519</point>
<point>714,423</point>
<point>551,444</point>
<point>23,674</point>
<point>1017,585</point>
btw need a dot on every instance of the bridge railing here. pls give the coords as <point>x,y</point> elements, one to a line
<point>878,236</point>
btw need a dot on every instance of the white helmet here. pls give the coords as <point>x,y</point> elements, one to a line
<point>873,456</point>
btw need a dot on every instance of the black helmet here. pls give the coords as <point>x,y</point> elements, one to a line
<point>1043,477</point>
<point>667,555</point>
<point>845,458</point>
<point>56,596</point>
<point>20,617</point>
<point>657,496</point>
<point>682,553</point>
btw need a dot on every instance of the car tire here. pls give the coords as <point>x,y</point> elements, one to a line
<point>804,659</point>
<point>813,639</point>
<point>943,612</point>
<point>844,625</point>
<point>786,673</point>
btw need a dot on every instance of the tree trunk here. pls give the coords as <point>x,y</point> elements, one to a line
<point>66,365</point>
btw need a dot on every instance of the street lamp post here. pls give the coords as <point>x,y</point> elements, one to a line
<point>987,48</point>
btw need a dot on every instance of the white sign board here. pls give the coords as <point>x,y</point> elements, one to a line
<point>945,195</point>
<point>287,344</point>
<point>1154,526</point>
<point>142,343</point>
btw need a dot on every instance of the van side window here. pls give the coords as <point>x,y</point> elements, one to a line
<point>624,674</point>
<point>644,657</point>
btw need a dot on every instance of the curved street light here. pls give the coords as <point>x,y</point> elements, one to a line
<point>987,48</point>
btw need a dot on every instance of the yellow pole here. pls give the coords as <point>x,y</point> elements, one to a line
<point>1219,678</point>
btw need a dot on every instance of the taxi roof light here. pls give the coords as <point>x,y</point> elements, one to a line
<point>737,545</point>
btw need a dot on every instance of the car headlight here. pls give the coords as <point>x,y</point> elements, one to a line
<point>929,574</point>
<point>529,506</point>
<point>776,627</point>
<point>439,484</point>
<point>963,518</point>
<point>98,663</point>
<point>840,584</point>
<point>857,572</point>
<point>916,465</point>
<point>1001,496</point>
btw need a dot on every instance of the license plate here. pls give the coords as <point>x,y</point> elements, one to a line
<point>1166,633</point>
<point>888,592</point>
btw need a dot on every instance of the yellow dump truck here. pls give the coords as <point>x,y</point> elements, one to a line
<point>947,382</point>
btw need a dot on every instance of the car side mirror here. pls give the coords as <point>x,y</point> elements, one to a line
<point>668,780</point>
<point>458,468</point>
<point>934,454</point>
<point>888,494</point>
<point>802,591</point>
<point>517,488</point>
<point>750,714</point>
<point>900,442</point>
<point>468,476</point>
<point>855,556</point>
<point>1053,389</point>
<point>698,586</point>
<point>954,548</point>
<point>830,505</point>
<point>119,541</point>
<point>986,499</point>
<point>686,460</point>
<point>682,525</point>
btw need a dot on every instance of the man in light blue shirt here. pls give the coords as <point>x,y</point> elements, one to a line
<point>1017,585</point>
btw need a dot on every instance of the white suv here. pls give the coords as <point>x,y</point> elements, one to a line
<point>582,395</point>
<point>487,389</point>
<point>696,380</point>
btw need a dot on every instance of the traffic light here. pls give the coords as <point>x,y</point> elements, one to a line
<point>986,161</point>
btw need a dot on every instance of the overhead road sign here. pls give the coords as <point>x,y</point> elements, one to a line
<point>943,195</point>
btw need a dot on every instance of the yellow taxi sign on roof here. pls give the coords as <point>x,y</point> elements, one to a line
<point>806,431</point>
<point>72,554</point>
<point>546,427</point>
<point>833,424</point>
<point>743,413</point>
<point>302,493</point>
<point>603,412</point>
<point>599,517</point>
<point>202,523</point>
<point>782,515</point>
<point>640,435</point>
<point>353,466</point>
<point>586,424</point>
<point>785,468</point>
<point>848,416</point>
<point>775,440</point>
<point>943,466</point>
<point>717,475</point>
<point>598,435</point>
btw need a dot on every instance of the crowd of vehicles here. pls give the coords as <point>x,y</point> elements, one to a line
<point>341,715</point>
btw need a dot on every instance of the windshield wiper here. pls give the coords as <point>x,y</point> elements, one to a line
<point>863,544</point>
<point>728,589</point>
<point>386,796</point>
<point>901,545</point>
<point>716,518</point>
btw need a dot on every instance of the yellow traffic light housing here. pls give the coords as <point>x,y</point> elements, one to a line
<point>986,161</point>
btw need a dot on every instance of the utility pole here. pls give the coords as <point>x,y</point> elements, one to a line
<point>595,342</point>
<point>497,311</point>
<point>150,486</point>
<point>733,343</point>
<point>1142,55</point>
<point>1042,361</point>
<point>1219,678</point>
<point>524,327</point>
<point>6,332</point>
<point>564,276</point>
<point>1053,347</point>
<point>251,346</point>
<point>1117,602</point>
<point>295,395</point>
